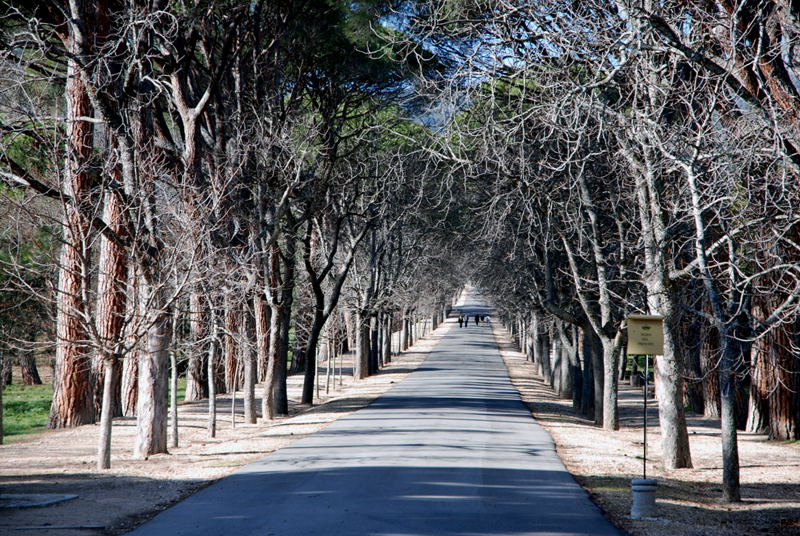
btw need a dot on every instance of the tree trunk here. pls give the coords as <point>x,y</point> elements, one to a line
<point>350,339</point>
<point>599,378</point>
<point>268,400</point>
<point>571,369</point>
<point>536,343</point>
<point>151,409</point>
<point>6,371</point>
<point>557,359</point>
<point>373,344</point>
<point>262,326</point>
<point>404,332</point>
<point>530,343</point>
<point>544,352</point>
<point>130,384</point>
<point>709,363</point>
<point>662,299</point>
<point>112,282</point>
<point>774,378</point>
<point>669,391</point>
<point>73,402</point>
<point>283,280</point>
<point>30,374</point>
<point>760,369</point>
<point>309,376</point>
<point>361,360</point>
<point>387,339</point>
<point>196,381</point>
<point>610,387</point>
<point>173,390</point>
<point>692,366</point>
<point>104,442</point>
<point>279,392</point>
<point>231,363</point>
<point>587,396</point>
<point>730,449</point>
<point>249,369</point>
<point>211,361</point>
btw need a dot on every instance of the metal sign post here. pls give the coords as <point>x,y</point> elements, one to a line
<point>644,412</point>
<point>645,337</point>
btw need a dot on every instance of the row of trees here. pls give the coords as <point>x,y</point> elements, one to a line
<point>220,186</point>
<point>227,179</point>
<point>636,157</point>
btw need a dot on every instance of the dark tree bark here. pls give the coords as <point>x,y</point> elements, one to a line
<point>231,363</point>
<point>774,378</point>
<point>6,371</point>
<point>373,344</point>
<point>387,339</point>
<point>282,280</point>
<point>262,314</point>
<point>268,400</point>
<point>596,349</point>
<point>30,373</point>
<point>361,360</point>
<point>280,394</point>
<point>587,397</point>
<point>693,366</point>
<point>709,363</point>
<point>196,381</point>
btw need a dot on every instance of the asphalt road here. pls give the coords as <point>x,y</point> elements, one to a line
<point>451,450</point>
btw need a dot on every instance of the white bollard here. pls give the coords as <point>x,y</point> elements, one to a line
<point>644,498</point>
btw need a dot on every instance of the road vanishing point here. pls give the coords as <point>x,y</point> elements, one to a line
<point>450,450</point>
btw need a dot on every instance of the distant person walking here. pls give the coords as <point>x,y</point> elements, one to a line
<point>477,320</point>
<point>466,320</point>
<point>460,320</point>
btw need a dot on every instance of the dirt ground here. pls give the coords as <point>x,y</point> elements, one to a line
<point>688,500</point>
<point>115,501</point>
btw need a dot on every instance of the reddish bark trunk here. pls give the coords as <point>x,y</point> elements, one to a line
<point>196,384</point>
<point>773,389</point>
<point>233,376</point>
<point>262,314</point>
<point>73,402</point>
<point>111,302</point>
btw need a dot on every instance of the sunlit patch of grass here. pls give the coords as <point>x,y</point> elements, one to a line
<point>26,409</point>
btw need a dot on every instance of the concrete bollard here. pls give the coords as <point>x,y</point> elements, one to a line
<point>644,498</point>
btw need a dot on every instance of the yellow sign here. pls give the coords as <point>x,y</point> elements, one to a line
<point>645,335</point>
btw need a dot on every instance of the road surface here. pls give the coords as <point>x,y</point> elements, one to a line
<point>451,450</point>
